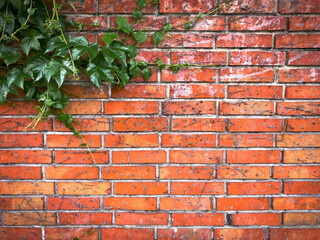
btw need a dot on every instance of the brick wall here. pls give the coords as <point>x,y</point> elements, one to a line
<point>227,152</point>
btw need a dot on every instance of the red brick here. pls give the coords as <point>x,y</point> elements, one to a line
<point>63,140</point>
<point>298,108</point>
<point>72,203</point>
<point>189,75</point>
<point>121,6</point>
<point>26,188</point>
<point>240,234</point>
<point>186,203</point>
<point>245,6</point>
<point>195,156</point>
<point>20,233</point>
<point>127,233</point>
<point>257,23</point>
<point>255,125</point>
<point>189,107</point>
<point>303,125</point>
<point>243,172</point>
<point>84,188</point>
<point>87,22</point>
<point>301,156</point>
<point>152,56</point>
<point>304,58</point>
<point>81,157</point>
<point>188,140</point>
<point>301,218</point>
<point>139,188</point>
<point>294,203</point>
<point>20,172</point>
<point>187,40</point>
<point>299,6</point>
<point>272,92</point>
<point>197,124</point>
<point>246,108</point>
<point>21,203</point>
<point>286,172</point>
<point>25,156</point>
<point>85,124</point>
<point>209,23</point>
<point>130,203</point>
<point>21,140</point>
<point>186,172</point>
<point>20,124</point>
<point>71,233</point>
<point>202,219</point>
<point>184,233</point>
<point>131,140</point>
<point>85,218</point>
<point>59,172</point>
<point>150,23</point>
<point>311,75</point>
<point>137,172</point>
<point>142,218</point>
<point>303,92</point>
<point>247,140</point>
<point>139,157</point>
<point>194,6</point>
<point>19,108</point>
<point>244,41</point>
<point>297,41</point>
<point>134,124</point>
<point>294,233</point>
<point>29,218</point>
<point>292,187</point>
<point>87,7</point>
<point>249,219</point>
<point>305,23</point>
<point>251,188</point>
<point>199,57</point>
<point>254,156</point>
<point>292,140</point>
<point>197,188</point>
<point>87,91</point>
<point>247,75</point>
<point>197,91</point>
<point>83,108</point>
<point>131,107</point>
<point>229,204</point>
<point>139,91</point>
<point>257,58</point>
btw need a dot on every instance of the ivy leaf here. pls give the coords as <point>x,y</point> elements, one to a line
<point>97,70</point>
<point>81,2</point>
<point>141,3</point>
<point>146,73</point>
<point>116,50</point>
<point>9,55</point>
<point>64,117</point>
<point>137,14</point>
<point>16,76</point>
<point>174,69</point>
<point>55,44</point>
<point>37,65</point>
<point>161,64</point>
<point>58,71</point>
<point>155,2</point>
<point>30,92</point>
<point>141,37</point>
<point>4,89</point>
<point>16,3</point>
<point>200,15</point>
<point>31,41</point>
<point>132,51</point>
<point>57,99</point>
<point>157,37</point>
<point>124,25</point>
<point>188,26</point>
<point>108,38</point>
<point>167,27</point>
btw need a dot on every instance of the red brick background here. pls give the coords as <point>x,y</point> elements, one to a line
<point>228,152</point>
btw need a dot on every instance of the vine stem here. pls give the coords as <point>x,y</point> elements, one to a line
<point>27,20</point>
<point>5,22</point>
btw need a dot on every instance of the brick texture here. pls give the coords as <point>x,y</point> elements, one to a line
<point>230,151</point>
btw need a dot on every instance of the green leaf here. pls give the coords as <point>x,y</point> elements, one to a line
<point>157,37</point>
<point>81,2</point>
<point>146,73</point>
<point>16,3</point>
<point>155,2</point>
<point>161,64</point>
<point>200,15</point>
<point>58,71</point>
<point>72,5</point>
<point>188,26</point>
<point>108,38</point>
<point>31,41</point>
<point>4,89</point>
<point>116,50</point>
<point>97,71</point>
<point>167,27</point>
<point>124,25</point>
<point>16,76</point>
<point>9,55</point>
<point>141,3</point>
<point>81,45</point>
<point>30,92</point>
<point>64,117</point>
<point>137,14</point>
<point>37,65</point>
<point>141,37</point>
<point>55,44</point>
<point>174,69</point>
<point>132,51</point>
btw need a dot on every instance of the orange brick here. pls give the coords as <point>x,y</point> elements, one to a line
<point>292,187</point>
<point>253,156</point>
<point>20,233</point>
<point>25,156</point>
<point>19,108</point>
<point>255,125</point>
<point>130,203</point>
<point>184,233</point>
<point>83,107</point>
<point>139,188</point>
<point>298,58</point>
<point>229,204</point>
<point>21,140</point>
<point>303,92</point>
<point>246,108</point>
<point>186,203</point>
<point>20,124</point>
<point>81,157</point>
<point>195,156</point>
<point>189,107</point>
<point>131,140</point>
<point>29,218</point>
<point>26,188</point>
<point>123,157</point>
<point>294,203</point>
<point>301,156</point>
<point>251,188</point>
<point>139,91</point>
<point>247,74</point>
<point>197,57</point>
<point>127,233</point>
<point>71,233</point>
<point>152,56</point>
<point>189,75</point>
<point>66,140</point>
<point>20,172</point>
<point>298,108</point>
<point>187,172</point>
<point>58,172</point>
<point>142,218</point>
<point>301,218</point>
<point>133,124</point>
<point>247,140</point>
<point>255,219</point>
<point>21,203</point>
<point>240,234</point>
<point>131,107</point>
<point>305,140</point>
<point>255,92</point>
<point>202,219</point>
<point>85,218</point>
<point>198,124</point>
<point>137,172</point>
<point>84,188</point>
<point>72,203</point>
<point>243,172</point>
<point>87,91</point>
<point>294,233</point>
<point>85,124</point>
<point>303,125</point>
<point>286,172</point>
<point>197,188</point>
<point>197,91</point>
<point>310,75</point>
<point>188,140</point>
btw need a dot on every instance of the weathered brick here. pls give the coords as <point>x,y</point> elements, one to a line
<point>20,172</point>
<point>151,23</point>
<point>189,107</point>
<point>85,218</point>
<point>253,156</point>
<point>304,23</point>
<point>83,107</point>
<point>21,140</point>
<point>245,6</point>
<point>87,91</point>
<point>296,140</point>
<point>121,6</point>
<point>186,203</point>
<point>154,156</point>
<point>62,172</point>
<point>20,233</point>
<point>72,203</point>
<point>194,6</point>
<point>124,172</point>
<point>195,156</point>
<point>29,218</point>
<point>257,23</point>
<point>81,157</point>
<point>257,58</point>
<point>299,6</point>
<point>304,58</point>
<point>303,125</point>
<point>246,140</point>
<point>301,219</point>
<point>130,107</point>
<point>85,124</point>
<point>197,188</point>
<point>292,187</point>
<point>193,219</point>
<point>243,172</point>
<point>26,188</point>
<point>246,108</point>
<point>297,41</point>
<point>199,57</point>
<point>66,140</point>
<point>297,75</point>
<point>21,203</point>
<point>124,218</point>
<point>187,40</point>
<point>209,23</point>
<point>25,156</point>
<point>189,75</point>
<point>19,108</point>
<point>303,92</point>
<point>139,91</point>
<point>271,92</point>
<point>140,188</point>
<point>298,108</point>
<point>130,140</point>
<point>251,188</point>
<point>134,124</point>
<point>301,156</point>
<point>294,233</point>
<point>295,203</point>
<point>130,203</point>
<point>186,172</point>
<point>188,140</point>
<point>197,91</point>
<point>184,233</point>
<point>229,204</point>
<point>198,124</point>
<point>240,233</point>
<point>244,41</point>
<point>127,233</point>
<point>84,188</point>
<point>255,125</point>
<point>247,74</point>
<point>249,219</point>
<point>20,124</point>
<point>287,172</point>
<point>71,233</point>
